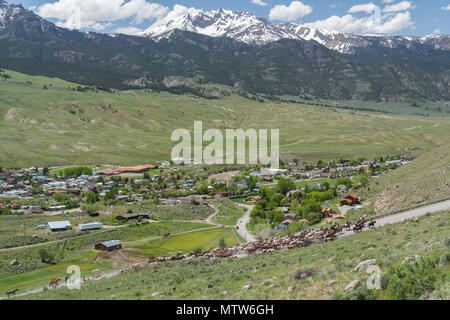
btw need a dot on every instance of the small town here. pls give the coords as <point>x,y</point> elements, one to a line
<point>247,206</point>
<point>229,158</point>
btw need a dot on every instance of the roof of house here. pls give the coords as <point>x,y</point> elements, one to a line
<point>58,224</point>
<point>111,243</point>
<point>90,224</point>
<point>129,169</point>
<point>133,215</point>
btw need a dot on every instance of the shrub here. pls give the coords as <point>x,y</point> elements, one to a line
<point>46,256</point>
<point>411,280</point>
<point>304,273</point>
<point>362,293</point>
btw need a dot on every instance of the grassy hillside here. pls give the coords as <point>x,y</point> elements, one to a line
<point>315,272</point>
<point>425,179</point>
<point>47,121</point>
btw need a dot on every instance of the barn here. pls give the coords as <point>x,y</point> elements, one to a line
<point>109,245</point>
<point>56,226</point>
<point>132,216</point>
<point>90,226</point>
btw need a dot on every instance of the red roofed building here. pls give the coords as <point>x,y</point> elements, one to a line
<point>351,200</point>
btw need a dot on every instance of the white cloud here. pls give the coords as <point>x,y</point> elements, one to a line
<point>259,2</point>
<point>177,12</point>
<point>368,24</point>
<point>401,6</point>
<point>293,12</point>
<point>447,8</point>
<point>437,31</point>
<point>128,30</point>
<point>387,1</point>
<point>99,14</point>
<point>367,8</point>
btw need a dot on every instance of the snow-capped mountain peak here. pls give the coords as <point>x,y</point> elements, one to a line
<point>8,13</point>
<point>245,27</point>
<point>241,26</point>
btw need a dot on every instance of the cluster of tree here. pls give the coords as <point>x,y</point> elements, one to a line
<point>74,172</point>
<point>306,204</point>
<point>66,200</point>
<point>5,211</point>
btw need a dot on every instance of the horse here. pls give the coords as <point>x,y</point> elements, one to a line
<point>348,226</point>
<point>372,224</point>
<point>54,282</point>
<point>339,229</point>
<point>358,228</point>
<point>11,293</point>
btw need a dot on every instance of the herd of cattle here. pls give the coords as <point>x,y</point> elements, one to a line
<point>301,239</point>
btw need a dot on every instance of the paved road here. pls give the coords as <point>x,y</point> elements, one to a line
<point>399,217</point>
<point>242,224</point>
<point>410,214</point>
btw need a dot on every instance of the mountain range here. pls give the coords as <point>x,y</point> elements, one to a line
<point>245,27</point>
<point>235,49</point>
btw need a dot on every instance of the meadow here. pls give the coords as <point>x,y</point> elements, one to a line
<point>56,123</point>
<point>425,179</point>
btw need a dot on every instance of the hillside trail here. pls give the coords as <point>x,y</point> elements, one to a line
<point>209,219</point>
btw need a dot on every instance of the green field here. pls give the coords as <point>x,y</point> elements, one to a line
<point>41,277</point>
<point>30,261</point>
<point>62,126</point>
<point>186,242</point>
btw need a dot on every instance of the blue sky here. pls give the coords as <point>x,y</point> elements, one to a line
<point>415,17</point>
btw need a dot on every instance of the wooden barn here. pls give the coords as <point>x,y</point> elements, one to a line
<point>109,245</point>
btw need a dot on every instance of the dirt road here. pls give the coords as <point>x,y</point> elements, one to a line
<point>242,224</point>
